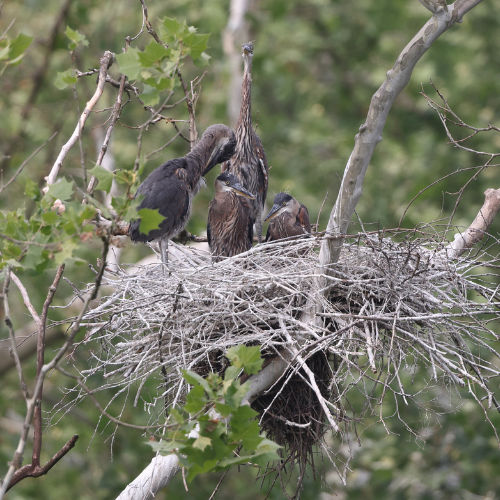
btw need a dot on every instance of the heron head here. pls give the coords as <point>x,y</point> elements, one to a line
<point>283,202</point>
<point>221,140</point>
<point>247,49</point>
<point>230,183</point>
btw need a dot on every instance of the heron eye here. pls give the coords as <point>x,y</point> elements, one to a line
<point>283,204</point>
<point>227,183</point>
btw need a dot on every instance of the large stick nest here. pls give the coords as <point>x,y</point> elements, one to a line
<point>391,306</point>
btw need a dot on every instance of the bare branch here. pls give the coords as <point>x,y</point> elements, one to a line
<point>476,231</point>
<point>13,347</point>
<point>37,471</point>
<point>46,368</point>
<point>115,115</point>
<point>25,296</point>
<point>105,62</point>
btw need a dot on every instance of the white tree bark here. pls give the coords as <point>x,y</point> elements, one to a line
<point>105,62</point>
<point>477,229</point>
<point>370,132</point>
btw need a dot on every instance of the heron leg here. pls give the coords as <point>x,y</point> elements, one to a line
<point>164,251</point>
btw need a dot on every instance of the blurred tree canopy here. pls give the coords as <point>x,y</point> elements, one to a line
<point>316,66</point>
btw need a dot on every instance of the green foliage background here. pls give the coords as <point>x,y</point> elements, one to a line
<point>316,65</point>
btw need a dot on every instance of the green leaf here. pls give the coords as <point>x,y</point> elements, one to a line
<point>150,220</point>
<point>62,190</point>
<point>150,95</point>
<point>245,428</point>
<point>103,176</point>
<point>68,247</point>
<point>194,379</point>
<point>202,442</point>
<point>65,79</point>
<point>129,63</point>
<point>231,373</point>
<point>172,26</point>
<point>50,218</point>
<point>152,54</point>
<point>17,47</point>
<point>75,38</point>
<point>197,44</point>
<point>195,400</point>
<point>31,189</point>
<point>246,357</point>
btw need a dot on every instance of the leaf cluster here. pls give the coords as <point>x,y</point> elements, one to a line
<point>156,65</point>
<point>215,429</point>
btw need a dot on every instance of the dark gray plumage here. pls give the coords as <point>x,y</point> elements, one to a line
<point>249,161</point>
<point>171,187</point>
<point>230,223</point>
<point>287,218</point>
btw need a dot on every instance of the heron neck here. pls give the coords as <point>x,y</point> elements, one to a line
<point>200,154</point>
<point>244,127</point>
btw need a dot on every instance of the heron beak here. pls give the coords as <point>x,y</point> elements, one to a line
<point>241,191</point>
<point>213,160</point>
<point>274,212</point>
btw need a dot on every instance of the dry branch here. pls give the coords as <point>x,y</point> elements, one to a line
<point>475,232</point>
<point>104,64</point>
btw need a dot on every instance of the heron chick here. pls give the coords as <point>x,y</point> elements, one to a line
<point>287,218</point>
<point>230,221</point>
<point>249,161</point>
<point>170,187</point>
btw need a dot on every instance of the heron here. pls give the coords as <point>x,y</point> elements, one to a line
<point>287,218</point>
<point>171,187</point>
<point>230,224</point>
<point>249,161</point>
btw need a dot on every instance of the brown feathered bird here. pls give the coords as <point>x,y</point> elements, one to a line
<point>170,188</point>
<point>287,218</point>
<point>230,224</point>
<point>249,161</point>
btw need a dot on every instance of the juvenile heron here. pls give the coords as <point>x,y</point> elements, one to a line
<point>249,161</point>
<point>170,188</point>
<point>287,218</point>
<point>230,224</point>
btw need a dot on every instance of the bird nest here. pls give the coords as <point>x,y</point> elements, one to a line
<point>391,306</point>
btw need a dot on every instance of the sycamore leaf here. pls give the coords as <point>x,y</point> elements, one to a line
<point>65,79</point>
<point>202,442</point>
<point>195,400</point>
<point>75,38</point>
<point>171,26</point>
<point>16,48</point>
<point>129,63</point>
<point>103,176</point>
<point>193,378</point>
<point>153,53</point>
<point>245,357</point>
<point>150,220</point>
<point>197,44</point>
<point>62,190</point>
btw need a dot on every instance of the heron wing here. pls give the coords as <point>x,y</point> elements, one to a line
<point>166,191</point>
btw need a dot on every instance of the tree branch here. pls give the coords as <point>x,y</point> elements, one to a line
<point>477,229</point>
<point>370,132</point>
<point>45,369</point>
<point>105,62</point>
